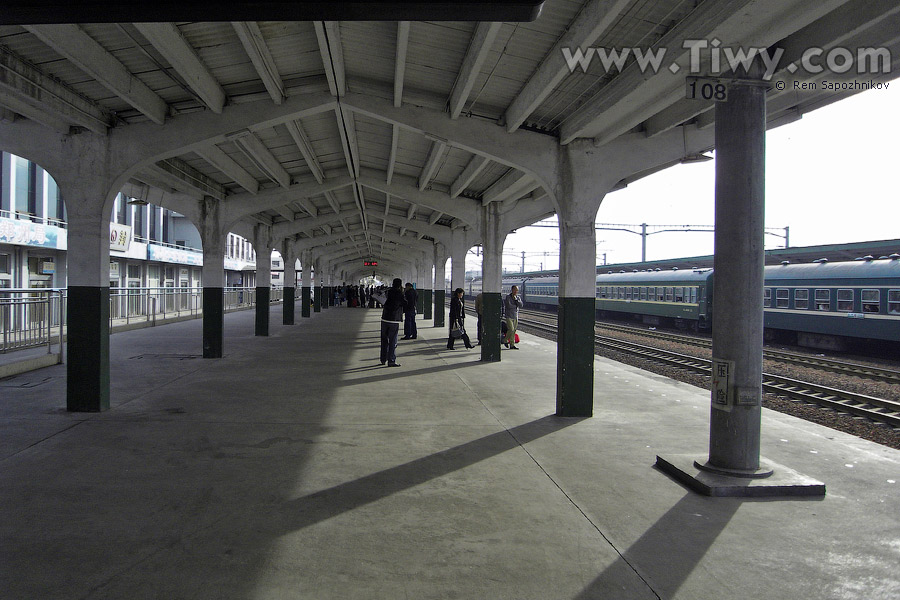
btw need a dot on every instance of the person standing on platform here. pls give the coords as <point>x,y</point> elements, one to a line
<point>409,315</point>
<point>391,317</point>
<point>479,310</point>
<point>511,306</point>
<point>457,316</point>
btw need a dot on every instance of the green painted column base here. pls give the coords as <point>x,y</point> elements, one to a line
<point>420,302</point>
<point>263,294</point>
<point>317,299</point>
<point>575,358</point>
<point>305,295</point>
<point>87,367</point>
<point>427,301</point>
<point>325,293</point>
<point>490,320</point>
<point>213,322</point>
<point>439,308</point>
<point>288,306</point>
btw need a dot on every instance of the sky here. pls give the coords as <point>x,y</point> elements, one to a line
<point>831,177</point>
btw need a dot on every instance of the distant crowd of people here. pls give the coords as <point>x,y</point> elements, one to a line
<point>398,304</point>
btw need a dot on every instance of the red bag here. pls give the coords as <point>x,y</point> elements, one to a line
<point>517,338</point>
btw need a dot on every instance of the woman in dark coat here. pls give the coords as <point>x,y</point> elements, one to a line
<point>457,315</point>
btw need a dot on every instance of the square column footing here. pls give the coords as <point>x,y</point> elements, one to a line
<point>783,482</point>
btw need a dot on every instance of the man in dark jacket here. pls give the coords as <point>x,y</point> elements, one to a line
<point>391,317</point>
<point>409,313</point>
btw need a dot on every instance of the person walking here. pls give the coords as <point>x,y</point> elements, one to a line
<point>457,317</point>
<point>511,306</point>
<point>391,317</point>
<point>409,314</point>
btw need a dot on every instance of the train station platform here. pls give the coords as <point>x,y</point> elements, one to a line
<point>298,467</point>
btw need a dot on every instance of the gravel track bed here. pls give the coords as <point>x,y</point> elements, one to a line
<point>860,427</point>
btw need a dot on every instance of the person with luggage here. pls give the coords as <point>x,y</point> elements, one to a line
<point>457,317</point>
<point>511,306</point>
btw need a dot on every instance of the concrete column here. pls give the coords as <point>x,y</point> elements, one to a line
<point>262,243</point>
<point>440,275</point>
<point>493,236</point>
<point>458,248</point>
<point>289,257</point>
<point>306,291</point>
<point>737,342</point>
<point>317,290</point>
<point>428,285</point>
<point>87,306</point>
<point>420,286</point>
<point>213,238</point>
<point>581,186</point>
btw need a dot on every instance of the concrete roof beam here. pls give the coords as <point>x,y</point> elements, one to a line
<point>168,41</point>
<point>75,44</point>
<point>479,48</point>
<point>595,19</point>
<point>255,45</point>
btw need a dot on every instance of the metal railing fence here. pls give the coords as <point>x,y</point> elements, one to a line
<point>33,317</point>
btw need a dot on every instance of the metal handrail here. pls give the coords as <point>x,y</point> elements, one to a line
<point>32,317</point>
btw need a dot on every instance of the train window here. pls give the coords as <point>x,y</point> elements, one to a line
<point>651,294</point>
<point>801,299</point>
<point>767,297</point>
<point>620,293</point>
<point>661,294</point>
<point>643,293</point>
<point>845,300</point>
<point>871,301</point>
<point>679,294</point>
<point>782,298</point>
<point>628,293</point>
<point>823,299</point>
<point>670,294</point>
<point>694,295</point>
<point>894,302</point>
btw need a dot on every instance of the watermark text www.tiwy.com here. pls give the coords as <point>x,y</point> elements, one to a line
<point>710,57</point>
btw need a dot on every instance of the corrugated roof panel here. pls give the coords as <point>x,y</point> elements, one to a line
<point>293,47</point>
<point>412,152</point>
<point>487,177</point>
<point>435,54</point>
<point>370,49</point>
<point>374,140</point>
<point>453,163</point>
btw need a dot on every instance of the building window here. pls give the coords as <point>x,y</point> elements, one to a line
<point>782,298</point>
<point>845,300</point>
<point>871,301</point>
<point>801,299</point>
<point>823,299</point>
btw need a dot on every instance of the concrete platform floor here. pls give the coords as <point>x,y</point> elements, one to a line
<point>298,467</point>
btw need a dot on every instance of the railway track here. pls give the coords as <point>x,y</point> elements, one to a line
<point>818,362</point>
<point>876,409</point>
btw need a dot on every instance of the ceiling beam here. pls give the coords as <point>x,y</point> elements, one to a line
<point>512,183</point>
<point>328,34</point>
<point>400,62</point>
<point>593,20</point>
<point>26,90</point>
<point>404,188</point>
<point>259,154</point>
<point>347,132</point>
<point>475,166</point>
<point>431,164</point>
<point>392,158</point>
<point>220,160</point>
<point>72,42</point>
<point>479,48</point>
<point>168,41</point>
<point>188,179</point>
<point>255,45</point>
<point>300,138</point>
